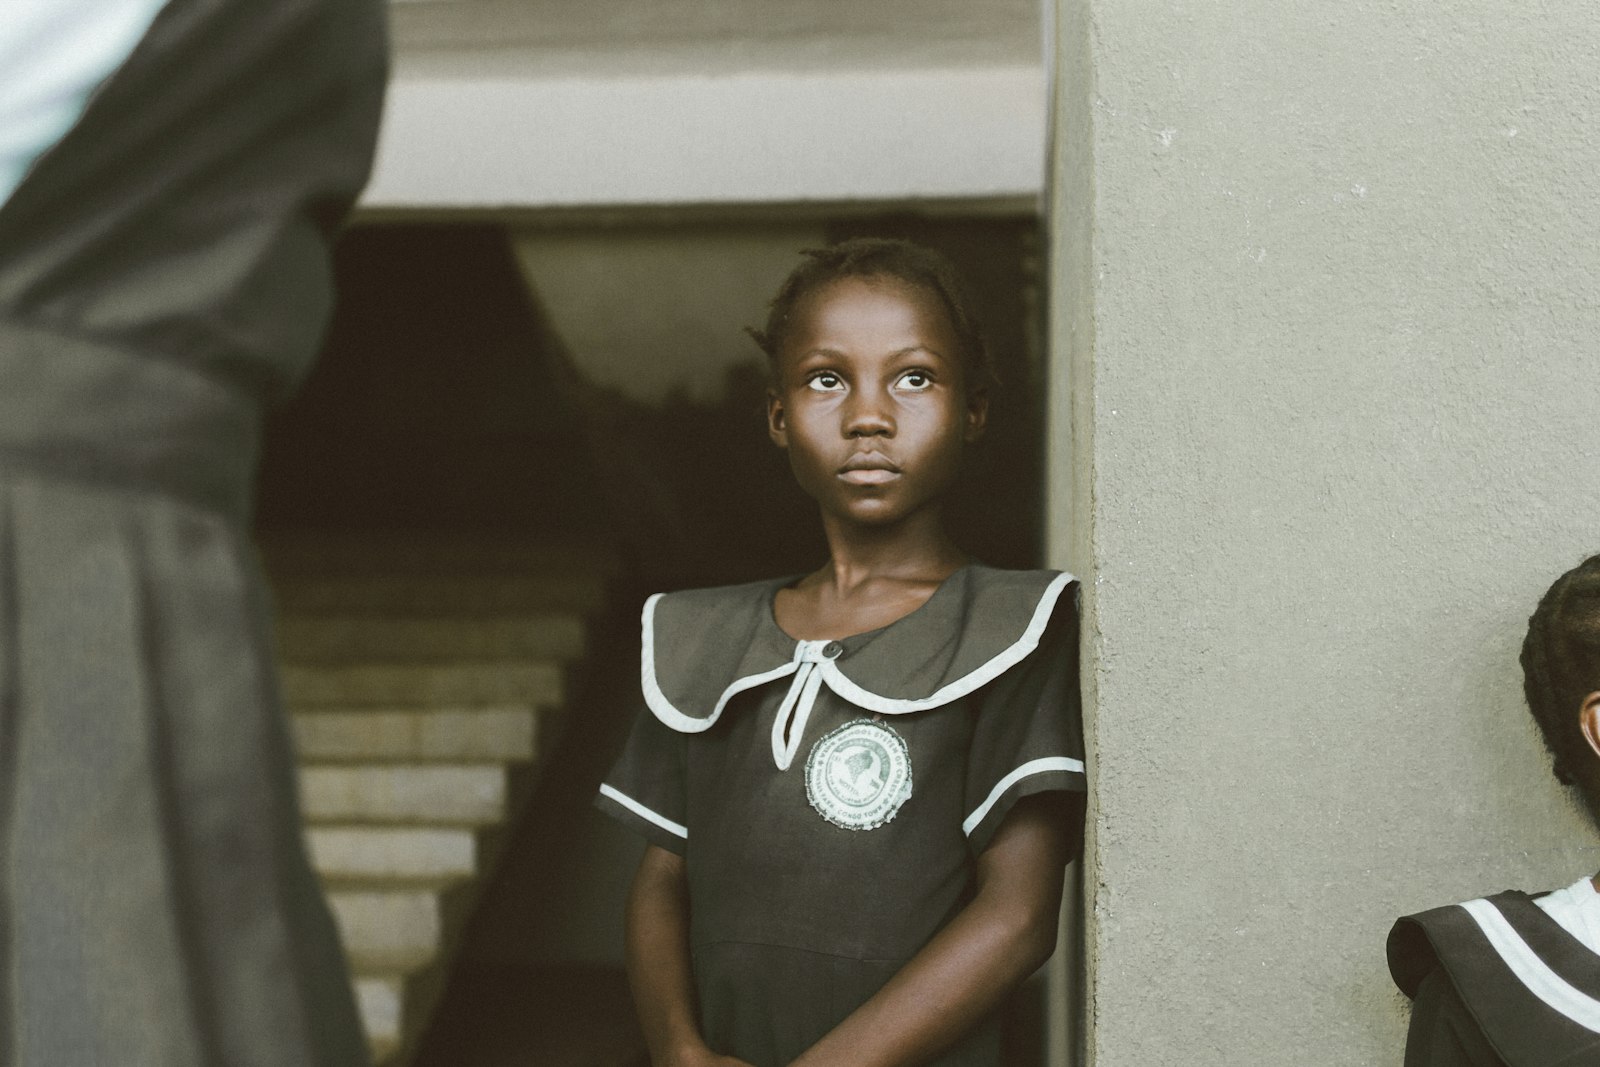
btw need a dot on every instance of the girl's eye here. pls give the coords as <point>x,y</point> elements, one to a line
<point>825,382</point>
<point>916,380</point>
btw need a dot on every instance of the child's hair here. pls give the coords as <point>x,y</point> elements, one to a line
<point>880,257</point>
<point>1560,666</point>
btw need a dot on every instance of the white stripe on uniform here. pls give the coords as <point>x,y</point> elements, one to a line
<point>1032,767</point>
<point>643,812</point>
<point>1532,971</point>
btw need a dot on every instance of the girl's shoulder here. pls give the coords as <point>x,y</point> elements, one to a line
<point>701,647</point>
<point>982,622</point>
<point>995,597</point>
<point>686,626</point>
<point>978,605</point>
<point>1528,983</point>
<point>741,596</point>
<point>978,588</point>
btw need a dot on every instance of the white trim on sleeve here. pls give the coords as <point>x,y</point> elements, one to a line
<point>1532,971</point>
<point>643,812</point>
<point>1032,767</point>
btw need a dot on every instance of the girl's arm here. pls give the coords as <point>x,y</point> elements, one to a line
<point>1001,937</point>
<point>658,964</point>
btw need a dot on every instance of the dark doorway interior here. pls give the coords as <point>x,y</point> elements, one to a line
<point>447,402</point>
<point>434,405</point>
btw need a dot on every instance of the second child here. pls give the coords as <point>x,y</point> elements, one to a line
<point>1513,980</point>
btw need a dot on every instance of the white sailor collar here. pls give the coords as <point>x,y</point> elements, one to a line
<point>1532,987</point>
<point>702,647</point>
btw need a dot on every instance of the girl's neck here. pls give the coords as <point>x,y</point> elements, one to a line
<point>872,578</point>
<point>915,551</point>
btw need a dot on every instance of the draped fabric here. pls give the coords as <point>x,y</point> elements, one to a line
<point>163,276</point>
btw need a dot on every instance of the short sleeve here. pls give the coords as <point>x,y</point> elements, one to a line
<point>1442,1031</point>
<point>645,788</point>
<point>1028,733</point>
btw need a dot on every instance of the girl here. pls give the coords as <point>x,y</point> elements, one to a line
<point>1513,979</point>
<point>860,787</point>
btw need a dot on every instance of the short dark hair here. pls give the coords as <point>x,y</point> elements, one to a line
<point>1561,666</point>
<point>881,257</point>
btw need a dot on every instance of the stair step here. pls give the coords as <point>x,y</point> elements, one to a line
<point>352,853</point>
<point>509,682</point>
<point>430,794</point>
<point>424,673</point>
<point>506,734</point>
<point>346,638</point>
<point>383,1052</point>
<point>395,1003</point>
<point>381,1002</point>
<point>399,926</point>
<point>577,589</point>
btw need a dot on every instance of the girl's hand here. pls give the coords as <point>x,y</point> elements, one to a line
<point>1005,932</point>
<point>658,964</point>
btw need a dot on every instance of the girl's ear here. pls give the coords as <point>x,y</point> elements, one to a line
<point>1589,720</point>
<point>777,425</point>
<point>977,414</point>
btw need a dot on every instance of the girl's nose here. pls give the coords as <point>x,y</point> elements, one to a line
<point>868,415</point>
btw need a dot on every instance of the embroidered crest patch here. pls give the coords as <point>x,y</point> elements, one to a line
<point>858,775</point>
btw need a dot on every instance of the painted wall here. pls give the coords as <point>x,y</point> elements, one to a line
<point>1328,295</point>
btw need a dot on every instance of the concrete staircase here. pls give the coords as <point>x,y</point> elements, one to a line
<point>425,677</point>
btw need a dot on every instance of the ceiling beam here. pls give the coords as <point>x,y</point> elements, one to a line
<point>763,137</point>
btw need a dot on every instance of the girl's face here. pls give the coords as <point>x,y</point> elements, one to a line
<point>870,400</point>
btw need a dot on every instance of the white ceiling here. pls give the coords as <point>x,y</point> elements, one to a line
<point>513,104</point>
<point>556,38</point>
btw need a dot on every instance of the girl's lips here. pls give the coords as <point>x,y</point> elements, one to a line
<point>868,475</point>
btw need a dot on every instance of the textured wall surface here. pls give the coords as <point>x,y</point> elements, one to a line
<point>1329,290</point>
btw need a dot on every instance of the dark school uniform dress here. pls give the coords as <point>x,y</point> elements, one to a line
<point>1496,982</point>
<point>830,797</point>
<point>164,273</point>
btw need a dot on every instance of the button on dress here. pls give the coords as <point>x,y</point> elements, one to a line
<point>164,274</point>
<point>830,798</point>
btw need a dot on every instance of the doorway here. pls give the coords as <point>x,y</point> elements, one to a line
<point>569,381</point>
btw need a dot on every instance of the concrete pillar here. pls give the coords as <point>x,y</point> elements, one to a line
<point>1327,302</point>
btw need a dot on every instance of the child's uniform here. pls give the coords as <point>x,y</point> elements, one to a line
<point>830,797</point>
<point>1502,981</point>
